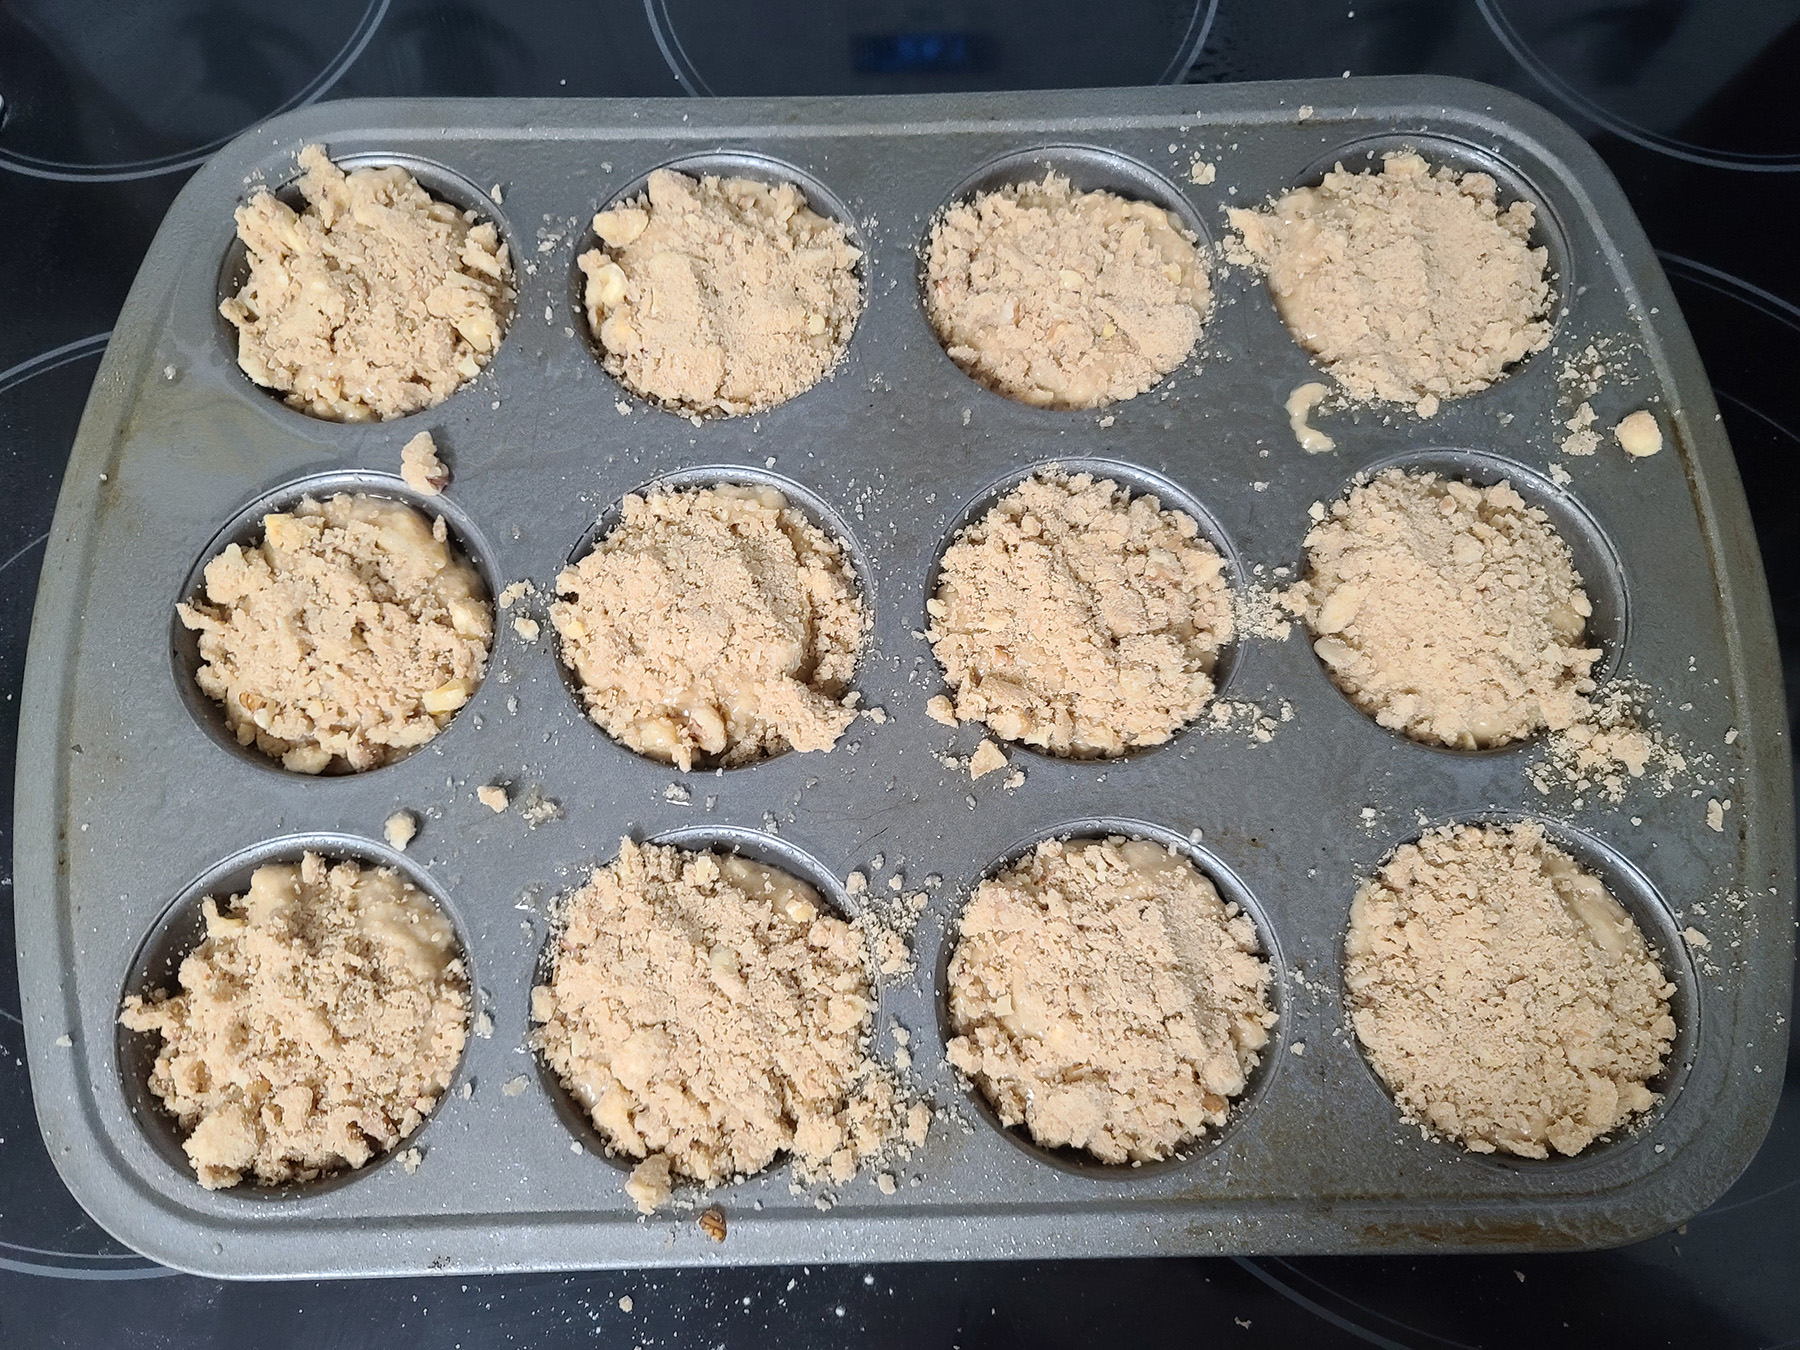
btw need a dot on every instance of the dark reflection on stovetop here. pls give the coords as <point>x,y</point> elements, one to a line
<point>104,109</point>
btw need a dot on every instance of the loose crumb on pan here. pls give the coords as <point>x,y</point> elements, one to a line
<point>317,1023</point>
<point>1409,285</point>
<point>720,295</point>
<point>714,626</point>
<point>400,828</point>
<point>373,301</point>
<point>1638,434</point>
<point>1503,993</point>
<point>344,638</point>
<point>420,467</point>
<point>1103,995</point>
<point>1062,298</point>
<point>494,797</point>
<point>1078,618</point>
<point>1449,612</point>
<point>710,1013</point>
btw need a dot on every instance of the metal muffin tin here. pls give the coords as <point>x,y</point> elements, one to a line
<point>132,803</point>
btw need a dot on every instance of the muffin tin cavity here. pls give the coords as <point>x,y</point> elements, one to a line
<point>753,846</point>
<point>1171,496</point>
<point>1233,891</point>
<point>717,164</point>
<point>245,528</point>
<point>443,183</point>
<point>1641,899</point>
<point>180,929</point>
<point>1088,168</point>
<point>1595,556</point>
<point>816,509</point>
<point>1365,155</point>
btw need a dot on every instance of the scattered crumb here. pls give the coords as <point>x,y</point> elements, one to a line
<point>514,1087</point>
<point>493,797</point>
<point>410,1159</point>
<point>940,709</point>
<point>420,467</point>
<point>1201,173</point>
<point>1582,438</point>
<point>400,828</point>
<point>1639,435</point>
<point>987,758</point>
<point>526,628</point>
<point>1715,814</point>
<point>1696,939</point>
<point>675,792</point>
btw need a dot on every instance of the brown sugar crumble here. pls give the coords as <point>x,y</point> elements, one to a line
<point>317,1023</point>
<point>1411,284</point>
<point>1078,618</point>
<point>1503,994</point>
<point>720,295</point>
<point>1105,997</point>
<point>373,301</point>
<point>345,638</point>
<point>710,1013</point>
<point>1450,612</point>
<point>714,627</point>
<point>1061,298</point>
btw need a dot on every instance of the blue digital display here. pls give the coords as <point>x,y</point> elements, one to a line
<point>929,53</point>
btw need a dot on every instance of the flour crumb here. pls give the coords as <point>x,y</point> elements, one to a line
<point>1201,172</point>
<point>420,467</point>
<point>514,592</point>
<point>1715,814</point>
<point>1300,405</point>
<point>492,796</point>
<point>940,709</point>
<point>399,829</point>
<point>987,758</point>
<point>526,628</point>
<point>515,1086</point>
<point>625,1304</point>
<point>675,792</point>
<point>410,1159</point>
<point>1582,438</point>
<point>1638,435</point>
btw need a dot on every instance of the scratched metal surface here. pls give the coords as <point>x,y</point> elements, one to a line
<point>130,804</point>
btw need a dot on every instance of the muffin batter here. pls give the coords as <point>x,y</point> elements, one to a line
<point>722,295</point>
<point>1064,299</point>
<point>710,1013</point>
<point>317,1024</point>
<point>1079,619</point>
<point>713,627</point>
<point>1450,612</point>
<point>1501,992</point>
<point>346,638</point>
<point>374,301</point>
<point>1104,996</point>
<point>1409,284</point>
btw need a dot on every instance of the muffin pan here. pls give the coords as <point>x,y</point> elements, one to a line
<point>131,803</point>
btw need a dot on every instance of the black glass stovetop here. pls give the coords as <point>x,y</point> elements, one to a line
<point>105,108</point>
